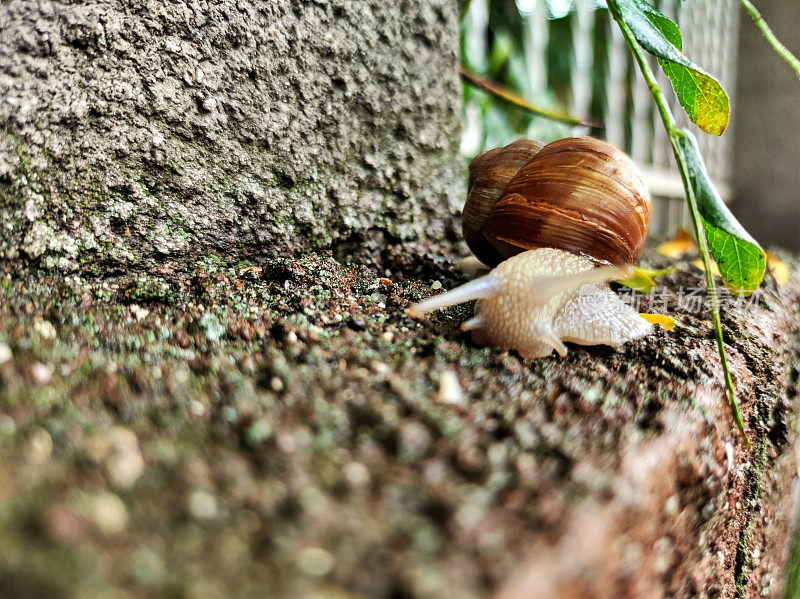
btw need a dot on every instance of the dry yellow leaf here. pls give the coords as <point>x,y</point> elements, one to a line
<point>642,279</point>
<point>681,244</point>
<point>665,321</point>
<point>714,270</point>
<point>780,270</point>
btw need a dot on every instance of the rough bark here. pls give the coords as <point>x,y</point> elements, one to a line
<point>134,133</point>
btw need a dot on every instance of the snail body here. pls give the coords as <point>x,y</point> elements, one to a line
<point>557,222</point>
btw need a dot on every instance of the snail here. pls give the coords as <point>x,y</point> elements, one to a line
<point>557,222</point>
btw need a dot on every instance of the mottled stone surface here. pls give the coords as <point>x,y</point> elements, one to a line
<point>137,133</point>
<point>291,432</point>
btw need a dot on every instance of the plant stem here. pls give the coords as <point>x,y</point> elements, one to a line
<point>510,97</point>
<point>773,41</point>
<point>697,224</point>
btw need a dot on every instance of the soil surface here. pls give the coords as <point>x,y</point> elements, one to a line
<point>287,430</point>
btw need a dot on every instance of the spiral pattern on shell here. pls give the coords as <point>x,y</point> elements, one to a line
<point>577,194</point>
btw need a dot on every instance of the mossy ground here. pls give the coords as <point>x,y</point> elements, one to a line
<point>289,431</point>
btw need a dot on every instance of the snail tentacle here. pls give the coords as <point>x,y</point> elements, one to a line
<point>475,322</point>
<point>481,288</point>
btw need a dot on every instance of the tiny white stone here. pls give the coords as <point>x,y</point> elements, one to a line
<point>315,561</point>
<point>5,353</point>
<point>41,373</point>
<point>449,390</point>
<point>109,514</point>
<point>276,384</point>
<point>44,328</point>
<point>123,461</point>
<point>671,505</point>
<point>202,505</point>
<point>356,474</point>
<point>138,312</point>
<point>209,104</point>
<point>730,456</point>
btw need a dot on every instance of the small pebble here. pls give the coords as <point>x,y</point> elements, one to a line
<point>202,505</point>
<point>671,505</point>
<point>449,390</point>
<point>315,561</point>
<point>276,384</point>
<point>138,312</point>
<point>44,328</point>
<point>381,368</point>
<point>663,555</point>
<point>356,474</point>
<point>436,285</point>
<point>109,514</point>
<point>209,104</point>
<point>123,460</point>
<point>258,432</point>
<point>41,373</point>
<point>730,456</point>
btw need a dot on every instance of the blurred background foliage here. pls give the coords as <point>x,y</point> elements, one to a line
<point>500,49</point>
<point>568,56</point>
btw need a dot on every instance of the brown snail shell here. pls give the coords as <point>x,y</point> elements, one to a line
<point>577,194</point>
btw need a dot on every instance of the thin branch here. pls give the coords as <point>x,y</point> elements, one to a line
<point>702,244</point>
<point>510,97</point>
<point>773,41</point>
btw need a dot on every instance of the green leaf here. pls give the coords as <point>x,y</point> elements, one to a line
<point>664,24</point>
<point>740,259</point>
<point>700,95</point>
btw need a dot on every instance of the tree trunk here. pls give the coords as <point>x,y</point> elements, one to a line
<point>137,133</point>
